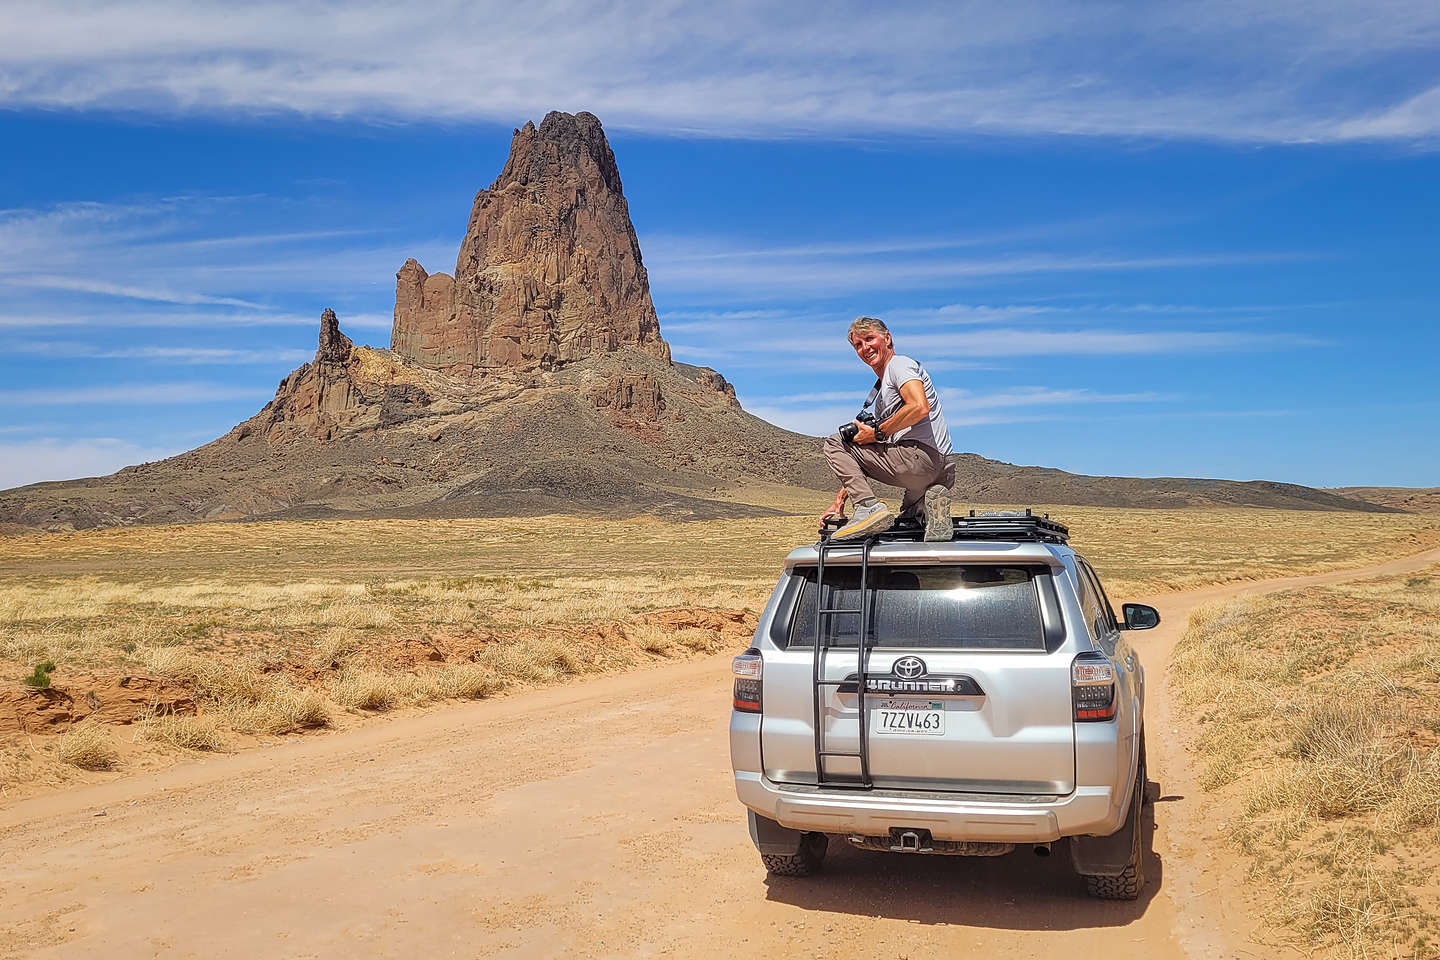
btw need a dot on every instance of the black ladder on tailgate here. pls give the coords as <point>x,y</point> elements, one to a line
<point>862,650</point>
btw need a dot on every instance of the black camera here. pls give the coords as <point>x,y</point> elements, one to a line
<point>847,431</point>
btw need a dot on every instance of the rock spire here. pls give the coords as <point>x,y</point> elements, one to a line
<point>549,271</point>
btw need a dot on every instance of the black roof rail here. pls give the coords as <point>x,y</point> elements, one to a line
<point>996,525</point>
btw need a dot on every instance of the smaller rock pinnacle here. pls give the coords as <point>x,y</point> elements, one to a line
<point>334,345</point>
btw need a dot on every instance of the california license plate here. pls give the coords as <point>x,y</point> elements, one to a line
<point>914,718</point>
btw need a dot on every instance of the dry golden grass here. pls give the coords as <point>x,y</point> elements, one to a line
<point>88,745</point>
<point>188,733</point>
<point>1320,719</point>
<point>285,626</point>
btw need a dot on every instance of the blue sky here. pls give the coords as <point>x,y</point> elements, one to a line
<point>1137,239</point>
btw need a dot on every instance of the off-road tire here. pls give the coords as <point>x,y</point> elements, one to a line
<point>1128,884</point>
<point>801,864</point>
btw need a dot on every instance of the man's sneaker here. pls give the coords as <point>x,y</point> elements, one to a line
<point>866,522</point>
<point>937,514</point>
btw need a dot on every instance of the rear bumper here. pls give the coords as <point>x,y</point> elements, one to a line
<point>969,816</point>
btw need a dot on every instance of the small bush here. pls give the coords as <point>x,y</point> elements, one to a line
<point>88,746</point>
<point>40,677</point>
<point>218,681</point>
<point>468,683</point>
<point>189,733</point>
<point>287,711</point>
<point>365,690</point>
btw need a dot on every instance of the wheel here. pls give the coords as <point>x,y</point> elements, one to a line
<point>809,858</point>
<point>1130,881</point>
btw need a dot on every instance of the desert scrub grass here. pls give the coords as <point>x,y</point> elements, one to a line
<point>282,710</point>
<point>1319,726</point>
<point>465,682</point>
<point>88,745</point>
<point>241,613</point>
<point>218,681</point>
<point>189,733</point>
<point>366,690</point>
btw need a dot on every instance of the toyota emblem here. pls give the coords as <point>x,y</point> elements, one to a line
<point>908,668</point>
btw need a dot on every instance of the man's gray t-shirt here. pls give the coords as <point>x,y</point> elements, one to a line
<point>932,432</point>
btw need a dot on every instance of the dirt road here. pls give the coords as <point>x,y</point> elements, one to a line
<point>596,819</point>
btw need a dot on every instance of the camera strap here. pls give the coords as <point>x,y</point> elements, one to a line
<point>874,392</point>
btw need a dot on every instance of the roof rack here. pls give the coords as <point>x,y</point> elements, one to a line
<point>997,525</point>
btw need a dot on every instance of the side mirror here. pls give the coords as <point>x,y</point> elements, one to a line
<point>1139,616</point>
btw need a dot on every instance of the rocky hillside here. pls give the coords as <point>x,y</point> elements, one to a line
<point>1409,499</point>
<point>532,379</point>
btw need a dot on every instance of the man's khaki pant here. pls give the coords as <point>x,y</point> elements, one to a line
<point>907,464</point>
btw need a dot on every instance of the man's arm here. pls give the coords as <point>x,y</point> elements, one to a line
<point>915,408</point>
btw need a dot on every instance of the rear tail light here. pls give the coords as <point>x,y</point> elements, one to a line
<point>748,668</point>
<point>1092,687</point>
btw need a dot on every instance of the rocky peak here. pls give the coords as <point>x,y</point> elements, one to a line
<point>334,346</point>
<point>549,271</point>
<point>565,146</point>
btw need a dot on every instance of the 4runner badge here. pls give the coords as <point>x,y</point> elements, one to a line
<point>957,685</point>
<point>908,668</point>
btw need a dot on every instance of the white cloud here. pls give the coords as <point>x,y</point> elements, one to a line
<point>819,413</point>
<point>126,291</point>
<point>1248,70</point>
<point>184,251</point>
<point>760,275</point>
<point>50,459</point>
<point>1026,342</point>
<point>958,399</point>
<point>198,355</point>
<point>135,394</point>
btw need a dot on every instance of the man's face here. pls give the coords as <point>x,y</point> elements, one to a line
<point>870,345</point>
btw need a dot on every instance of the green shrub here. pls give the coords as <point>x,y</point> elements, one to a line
<point>40,677</point>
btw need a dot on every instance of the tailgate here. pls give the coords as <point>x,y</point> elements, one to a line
<point>966,690</point>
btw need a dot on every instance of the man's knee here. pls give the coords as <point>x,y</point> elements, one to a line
<point>832,444</point>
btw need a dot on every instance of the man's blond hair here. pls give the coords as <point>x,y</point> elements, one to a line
<point>864,324</point>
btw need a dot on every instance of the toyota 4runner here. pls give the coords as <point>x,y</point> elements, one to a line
<point>962,698</point>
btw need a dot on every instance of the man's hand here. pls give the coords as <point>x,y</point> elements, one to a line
<point>865,434</point>
<point>837,509</point>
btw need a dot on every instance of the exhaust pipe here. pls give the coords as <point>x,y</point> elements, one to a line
<point>1042,849</point>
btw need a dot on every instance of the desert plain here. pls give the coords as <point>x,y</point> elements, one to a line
<point>191,665</point>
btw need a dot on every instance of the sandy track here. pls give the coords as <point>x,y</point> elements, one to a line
<point>596,819</point>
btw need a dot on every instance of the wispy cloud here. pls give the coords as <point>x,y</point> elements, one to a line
<point>128,292</point>
<point>33,461</point>
<point>133,394</point>
<point>1027,342</point>
<point>185,251</point>
<point>68,349</point>
<point>759,274</point>
<point>1252,70</point>
<point>819,413</point>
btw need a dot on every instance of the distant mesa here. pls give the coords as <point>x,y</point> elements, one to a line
<point>532,380</point>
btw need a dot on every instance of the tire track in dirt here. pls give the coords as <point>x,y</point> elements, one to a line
<point>593,819</point>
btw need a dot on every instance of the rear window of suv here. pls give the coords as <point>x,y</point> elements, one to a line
<point>970,607</point>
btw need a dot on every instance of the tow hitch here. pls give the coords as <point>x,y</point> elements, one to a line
<point>910,841</point>
<point>918,840</point>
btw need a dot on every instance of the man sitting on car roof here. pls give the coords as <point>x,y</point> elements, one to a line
<point>904,443</point>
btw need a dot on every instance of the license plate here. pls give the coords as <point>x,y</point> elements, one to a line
<point>912,718</point>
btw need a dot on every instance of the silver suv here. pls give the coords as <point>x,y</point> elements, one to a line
<point>995,701</point>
